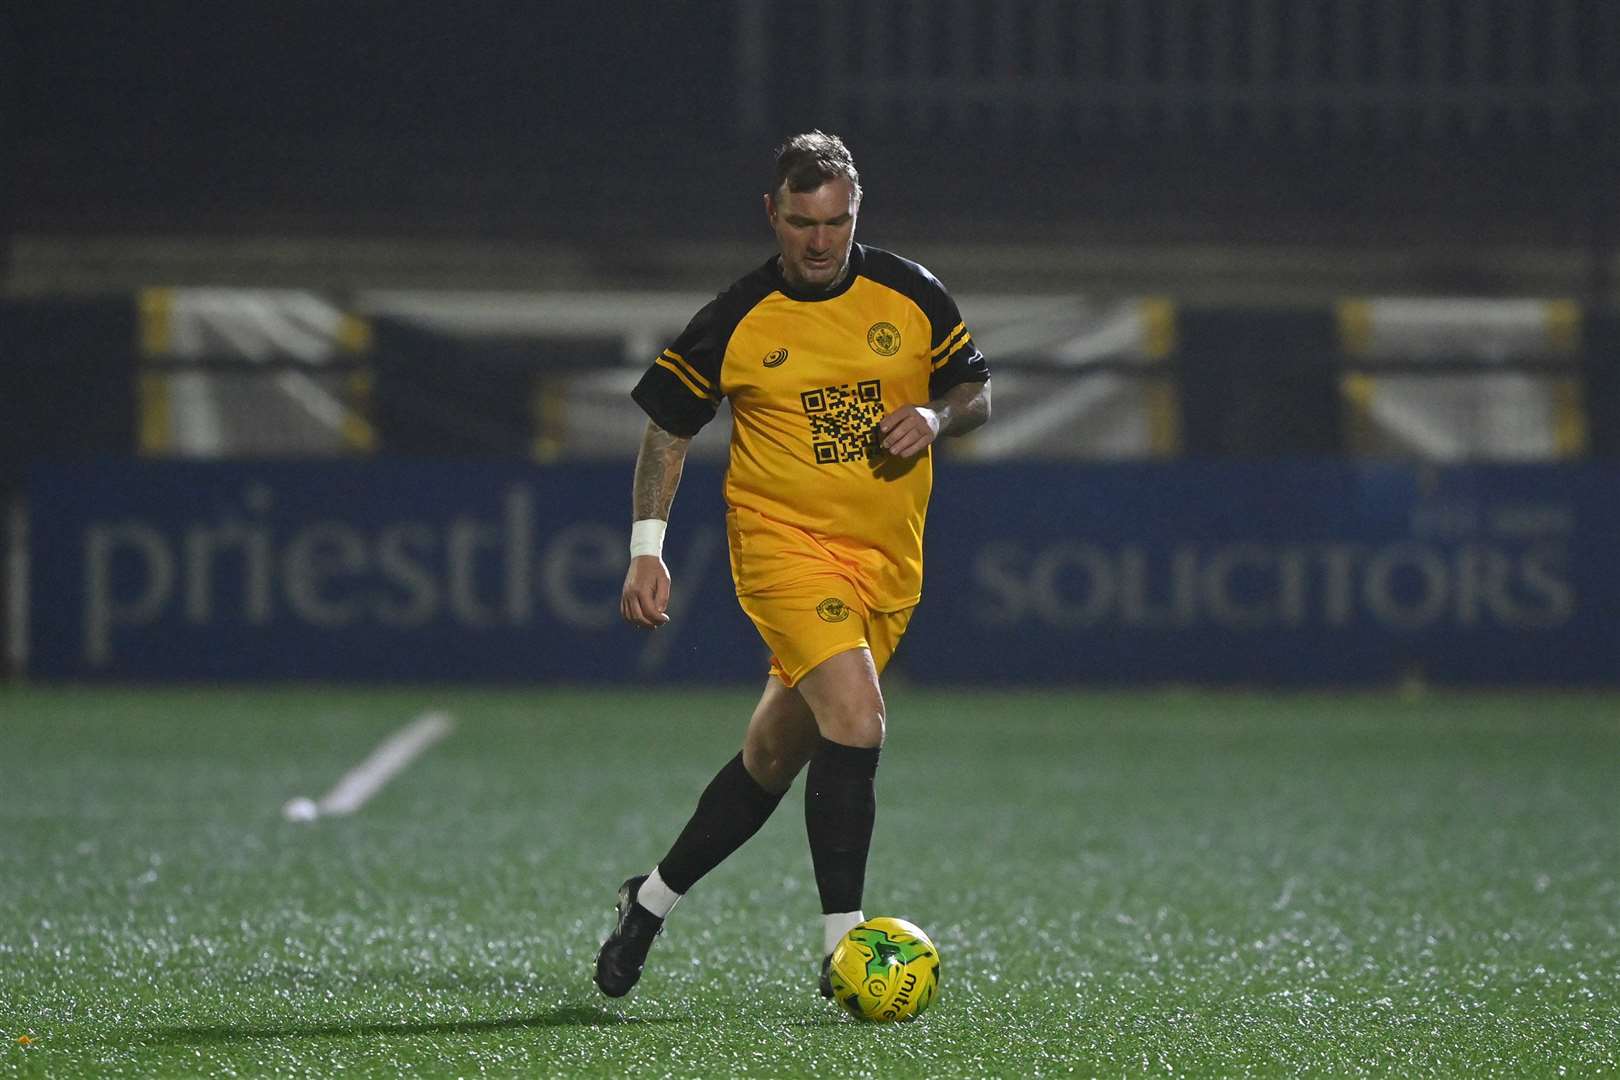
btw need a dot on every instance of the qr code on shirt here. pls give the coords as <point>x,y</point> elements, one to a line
<point>843,421</point>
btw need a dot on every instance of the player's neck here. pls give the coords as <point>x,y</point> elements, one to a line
<point>843,272</point>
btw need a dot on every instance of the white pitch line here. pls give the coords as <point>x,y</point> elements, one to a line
<point>356,787</point>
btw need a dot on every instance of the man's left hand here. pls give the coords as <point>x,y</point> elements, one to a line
<point>908,431</point>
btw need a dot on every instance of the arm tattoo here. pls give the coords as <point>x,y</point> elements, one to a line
<point>964,407</point>
<point>658,472</point>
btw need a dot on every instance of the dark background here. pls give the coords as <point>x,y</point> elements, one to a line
<point>607,128</point>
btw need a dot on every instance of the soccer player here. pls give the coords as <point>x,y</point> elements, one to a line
<point>843,364</point>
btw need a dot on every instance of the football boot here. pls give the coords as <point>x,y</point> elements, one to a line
<point>619,962</point>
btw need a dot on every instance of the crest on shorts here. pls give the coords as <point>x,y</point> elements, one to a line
<point>832,609</point>
<point>884,338</point>
<point>776,358</point>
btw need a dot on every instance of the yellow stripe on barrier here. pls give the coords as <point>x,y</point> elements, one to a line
<point>156,308</point>
<point>155,433</point>
<point>1563,327</point>
<point>1355,327</point>
<point>354,333</point>
<point>1570,435</point>
<point>548,415</point>
<point>359,434</point>
<point>1158,327</point>
<point>1358,389</point>
<point>1163,418</point>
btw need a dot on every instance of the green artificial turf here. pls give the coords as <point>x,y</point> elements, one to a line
<point>1119,884</point>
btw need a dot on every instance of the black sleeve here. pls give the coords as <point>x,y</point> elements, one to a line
<point>954,357</point>
<point>681,390</point>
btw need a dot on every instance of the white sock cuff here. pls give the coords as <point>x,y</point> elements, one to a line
<point>835,925</point>
<point>657,897</point>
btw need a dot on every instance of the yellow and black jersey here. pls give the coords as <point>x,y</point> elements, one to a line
<point>809,375</point>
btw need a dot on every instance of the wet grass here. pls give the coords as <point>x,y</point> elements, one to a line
<point>1120,884</point>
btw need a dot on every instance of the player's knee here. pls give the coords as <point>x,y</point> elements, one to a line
<point>860,725</point>
<point>773,761</point>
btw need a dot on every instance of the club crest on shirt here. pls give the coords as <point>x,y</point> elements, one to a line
<point>776,358</point>
<point>884,338</point>
<point>832,609</point>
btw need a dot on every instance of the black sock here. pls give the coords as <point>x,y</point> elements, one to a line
<point>840,805</point>
<point>732,809</point>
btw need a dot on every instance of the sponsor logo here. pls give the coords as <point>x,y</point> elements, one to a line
<point>884,338</point>
<point>268,566</point>
<point>1403,586</point>
<point>776,358</point>
<point>832,609</point>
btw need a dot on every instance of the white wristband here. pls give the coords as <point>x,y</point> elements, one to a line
<point>647,537</point>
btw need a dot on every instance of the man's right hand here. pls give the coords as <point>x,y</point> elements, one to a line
<point>645,599</point>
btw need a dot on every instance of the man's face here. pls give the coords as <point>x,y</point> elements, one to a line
<point>814,230</point>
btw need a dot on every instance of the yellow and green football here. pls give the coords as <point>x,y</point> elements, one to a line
<point>885,969</point>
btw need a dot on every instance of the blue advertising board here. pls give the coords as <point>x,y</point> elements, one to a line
<point>1275,573</point>
<point>1267,573</point>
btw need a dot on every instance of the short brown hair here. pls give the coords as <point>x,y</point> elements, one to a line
<point>805,162</point>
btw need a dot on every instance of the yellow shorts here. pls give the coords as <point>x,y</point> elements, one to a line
<point>819,617</point>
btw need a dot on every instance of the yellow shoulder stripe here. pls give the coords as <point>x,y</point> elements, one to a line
<point>949,339</point>
<point>681,375</point>
<point>689,369</point>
